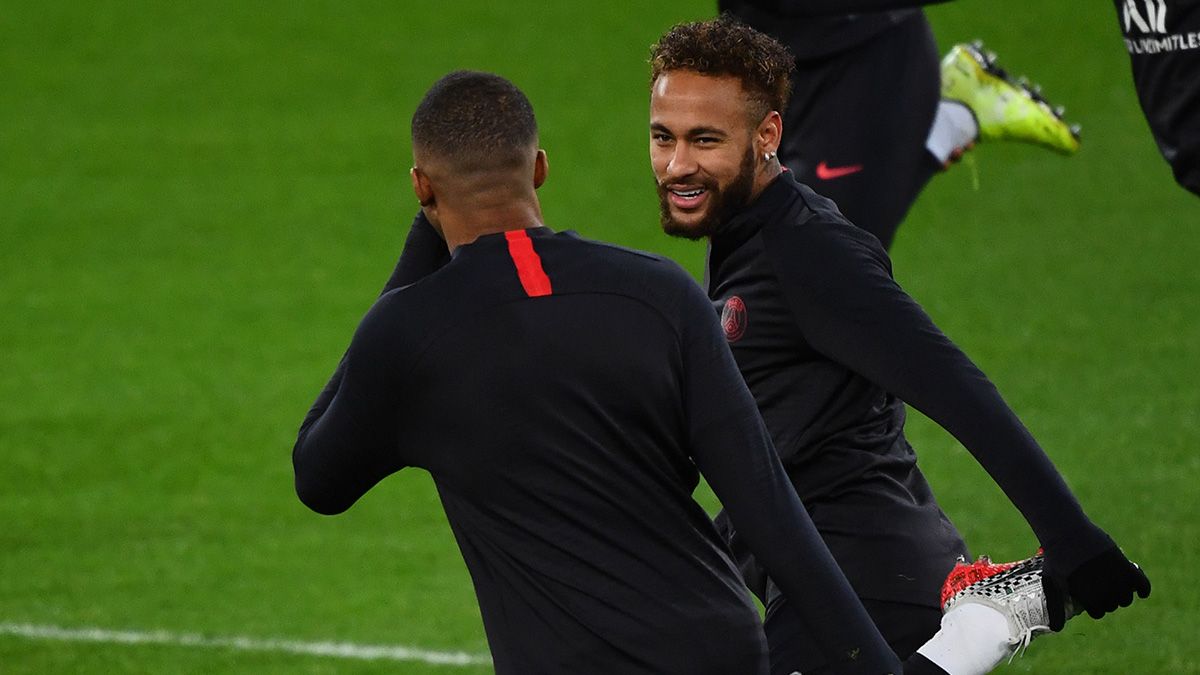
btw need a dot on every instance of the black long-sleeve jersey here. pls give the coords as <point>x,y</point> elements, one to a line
<point>830,346</point>
<point>1163,40</point>
<point>563,393</point>
<point>814,29</point>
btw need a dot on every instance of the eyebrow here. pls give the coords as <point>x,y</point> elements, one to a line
<point>690,133</point>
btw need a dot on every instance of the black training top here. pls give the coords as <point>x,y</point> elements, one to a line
<point>830,346</point>
<point>1163,39</point>
<point>814,29</point>
<point>563,393</point>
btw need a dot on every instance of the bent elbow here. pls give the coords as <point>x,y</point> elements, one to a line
<point>315,495</point>
<point>329,480</point>
<point>313,484</point>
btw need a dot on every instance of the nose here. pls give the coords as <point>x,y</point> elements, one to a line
<point>683,161</point>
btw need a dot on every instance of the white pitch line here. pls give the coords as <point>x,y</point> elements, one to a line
<point>342,650</point>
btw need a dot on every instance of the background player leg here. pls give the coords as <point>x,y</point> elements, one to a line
<point>855,129</point>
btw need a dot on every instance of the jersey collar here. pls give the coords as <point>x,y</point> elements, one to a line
<point>747,222</point>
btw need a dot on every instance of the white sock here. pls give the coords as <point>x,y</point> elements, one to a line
<point>954,126</point>
<point>973,640</point>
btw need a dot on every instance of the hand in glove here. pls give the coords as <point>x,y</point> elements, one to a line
<point>1098,586</point>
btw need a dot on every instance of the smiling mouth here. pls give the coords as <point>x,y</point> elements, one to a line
<point>687,199</point>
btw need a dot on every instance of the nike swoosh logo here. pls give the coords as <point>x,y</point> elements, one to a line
<point>830,172</point>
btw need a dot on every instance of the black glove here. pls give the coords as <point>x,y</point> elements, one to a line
<point>1098,586</point>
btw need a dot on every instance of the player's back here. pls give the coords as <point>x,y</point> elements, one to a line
<point>562,459</point>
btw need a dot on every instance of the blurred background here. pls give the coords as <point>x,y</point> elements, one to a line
<point>198,201</point>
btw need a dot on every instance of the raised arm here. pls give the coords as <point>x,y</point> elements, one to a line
<point>424,253</point>
<point>351,438</point>
<point>343,446</point>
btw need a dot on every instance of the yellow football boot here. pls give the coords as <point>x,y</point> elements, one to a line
<point>1004,110</point>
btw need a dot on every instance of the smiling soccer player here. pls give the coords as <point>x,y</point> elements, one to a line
<point>832,349</point>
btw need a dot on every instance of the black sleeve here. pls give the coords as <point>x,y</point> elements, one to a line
<point>424,253</point>
<point>733,450</point>
<point>826,7</point>
<point>352,436</point>
<point>838,283</point>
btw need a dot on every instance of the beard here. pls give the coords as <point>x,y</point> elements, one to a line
<point>723,203</point>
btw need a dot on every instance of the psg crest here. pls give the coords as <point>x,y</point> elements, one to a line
<point>733,319</point>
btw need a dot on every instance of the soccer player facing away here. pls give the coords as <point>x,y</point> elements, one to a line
<point>563,394</point>
<point>832,348</point>
<point>1163,40</point>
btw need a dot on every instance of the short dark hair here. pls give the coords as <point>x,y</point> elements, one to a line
<point>725,46</point>
<point>477,118</point>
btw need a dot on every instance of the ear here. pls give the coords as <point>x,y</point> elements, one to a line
<point>769,134</point>
<point>541,167</point>
<point>422,187</point>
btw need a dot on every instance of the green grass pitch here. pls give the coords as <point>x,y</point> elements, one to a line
<point>199,200</point>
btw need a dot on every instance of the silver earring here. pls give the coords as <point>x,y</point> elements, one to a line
<point>769,156</point>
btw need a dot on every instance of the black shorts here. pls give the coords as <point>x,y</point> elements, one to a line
<point>856,125</point>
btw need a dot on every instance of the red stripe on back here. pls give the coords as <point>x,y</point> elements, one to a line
<point>529,264</point>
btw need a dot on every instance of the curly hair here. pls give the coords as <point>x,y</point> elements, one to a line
<point>725,46</point>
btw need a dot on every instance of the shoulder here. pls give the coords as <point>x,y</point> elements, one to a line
<point>817,217</point>
<point>580,265</point>
<point>813,230</point>
<point>814,250</point>
<point>390,317</point>
<point>608,262</point>
<point>603,252</point>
